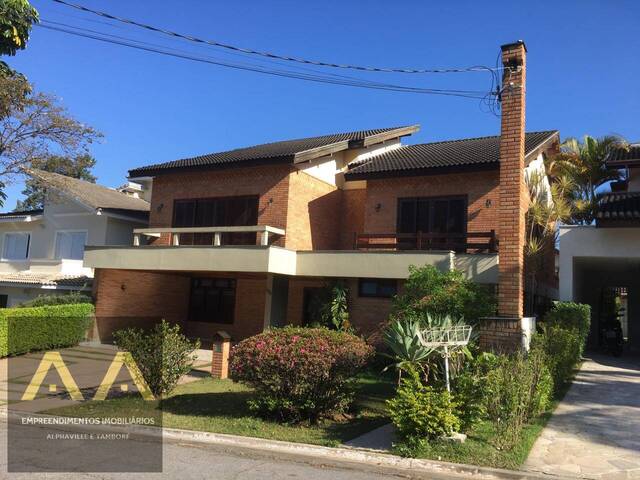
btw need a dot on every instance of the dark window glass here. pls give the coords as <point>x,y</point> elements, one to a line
<point>216,212</point>
<point>3,301</point>
<point>372,287</point>
<point>407,216</point>
<point>439,215</point>
<point>212,300</point>
<point>314,299</point>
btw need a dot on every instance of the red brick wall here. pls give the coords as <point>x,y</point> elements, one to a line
<point>270,182</point>
<point>148,297</point>
<point>352,216</point>
<point>478,186</point>
<point>295,302</point>
<point>131,298</point>
<point>513,193</point>
<point>313,221</point>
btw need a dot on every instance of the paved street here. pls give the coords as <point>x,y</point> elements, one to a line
<point>595,431</point>
<point>185,461</point>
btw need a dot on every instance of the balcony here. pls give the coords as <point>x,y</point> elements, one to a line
<point>376,255</point>
<point>470,242</point>
<point>263,235</point>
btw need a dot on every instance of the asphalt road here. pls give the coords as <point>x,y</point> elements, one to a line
<point>181,461</point>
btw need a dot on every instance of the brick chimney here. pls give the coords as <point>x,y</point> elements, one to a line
<point>513,194</point>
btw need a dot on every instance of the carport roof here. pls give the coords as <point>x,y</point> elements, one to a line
<point>619,206</point>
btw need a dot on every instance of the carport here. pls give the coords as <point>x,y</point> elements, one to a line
<point>601,267</point>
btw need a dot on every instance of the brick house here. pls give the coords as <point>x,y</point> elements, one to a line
<point>245,239</point>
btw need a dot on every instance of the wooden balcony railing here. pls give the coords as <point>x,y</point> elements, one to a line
<point>471,242</point>
<point>214,236</point>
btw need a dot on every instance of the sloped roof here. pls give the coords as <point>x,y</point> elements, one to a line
<point>619,206</point>
<point>46,279</point>
<point>622,157</point>
<point>90,194</point>
<point>285,151</point>
<point>468,152</point>
<point>21,215</point>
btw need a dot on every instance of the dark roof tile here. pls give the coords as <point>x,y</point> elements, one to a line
<point>284,150</point>
<point>619,206</point>
<point>451,153</point>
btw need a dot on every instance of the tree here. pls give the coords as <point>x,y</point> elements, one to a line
<point>548,206</point>
<point>580,171</point>
<point>76,167</point>
<point>34,127</point>
<point>16,19</point>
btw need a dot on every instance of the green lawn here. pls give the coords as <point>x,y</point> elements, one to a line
<point>480,450</point>
<point>220,406</point>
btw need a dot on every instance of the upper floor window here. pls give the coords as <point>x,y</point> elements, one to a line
<point>16,246</point>
<point>216,212</point>
<point>70,245</point>
<point>432,215</point>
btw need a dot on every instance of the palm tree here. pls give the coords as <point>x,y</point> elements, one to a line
<point>580,170</point>
<point>548,207</point>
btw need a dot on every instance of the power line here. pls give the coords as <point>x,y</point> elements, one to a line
<point>144,46</point>
<point>477,68</point>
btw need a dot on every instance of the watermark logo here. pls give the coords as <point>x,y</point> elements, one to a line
<point>54,359</point>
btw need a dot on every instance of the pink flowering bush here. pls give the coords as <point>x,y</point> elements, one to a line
<point>299,373</point>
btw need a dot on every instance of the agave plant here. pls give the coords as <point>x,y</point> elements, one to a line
<point>402,336</point>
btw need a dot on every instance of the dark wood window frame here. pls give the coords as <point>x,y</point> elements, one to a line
<point>209,312</point>
<point>431,201</point>
<point>381,283</point>
<point>205,213</point>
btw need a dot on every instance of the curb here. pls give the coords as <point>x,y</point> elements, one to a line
<point>327,456</point>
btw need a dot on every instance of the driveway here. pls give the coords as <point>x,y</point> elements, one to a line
<point>595,431</point>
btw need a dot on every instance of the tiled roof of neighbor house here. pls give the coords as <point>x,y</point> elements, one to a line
<point>91,194</point>
<point>21,215</point>
<point>622,157</point>
<point>467,152</point>
<point>46,279</point>
<point>285,151</point>
<point>619,206</point>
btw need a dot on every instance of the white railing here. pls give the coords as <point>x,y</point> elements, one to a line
<point>175,232</point>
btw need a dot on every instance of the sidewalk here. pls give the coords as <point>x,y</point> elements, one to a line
<point>595,431</point>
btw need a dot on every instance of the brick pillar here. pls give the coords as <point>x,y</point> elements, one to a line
<point>221,347</point>
<point>513,194</point>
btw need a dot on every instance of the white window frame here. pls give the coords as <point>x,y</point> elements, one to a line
<point>4,244</point>
<point>55,243</point>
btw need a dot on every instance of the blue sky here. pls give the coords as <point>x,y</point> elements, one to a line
<point>583,70</point>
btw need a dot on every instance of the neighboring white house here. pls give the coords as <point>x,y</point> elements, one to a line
<point>42,250</point>
<point>600,264</point>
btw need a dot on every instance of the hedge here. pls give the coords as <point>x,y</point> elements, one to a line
<point>42,328</point>
<point>570,315</point>
<point>48,300</point>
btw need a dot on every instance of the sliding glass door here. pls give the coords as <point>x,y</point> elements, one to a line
<point>216,212</point>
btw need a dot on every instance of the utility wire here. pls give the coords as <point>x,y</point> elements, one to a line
<point>477,68</point>
<point>259,69</point>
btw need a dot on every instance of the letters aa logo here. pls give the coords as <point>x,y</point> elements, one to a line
<point>54,359</point>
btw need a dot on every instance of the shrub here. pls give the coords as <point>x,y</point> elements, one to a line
<point>299,373</point>
<point>420,412</point>
<point>563,348</point>
<point>470,390</point>
<point>428,290</point>
<point>571,316</point>
<point>540,381</point>
<point>162,355</point>
<point>46,300</point>
<point>42,328</point>
<point>508,391</point>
